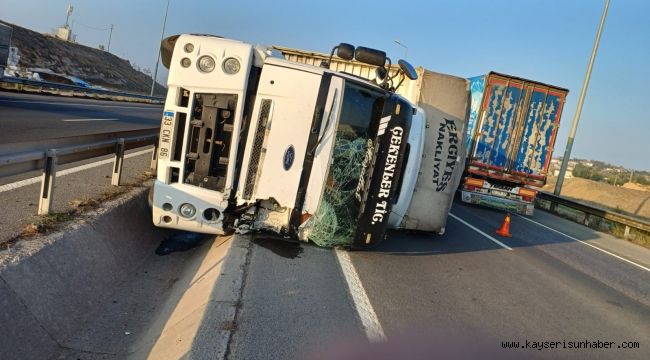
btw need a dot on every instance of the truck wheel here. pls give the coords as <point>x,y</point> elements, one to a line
<point>150,197</point>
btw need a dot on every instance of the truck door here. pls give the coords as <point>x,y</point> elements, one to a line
<point>278,137</point>
<point>539,128</point>
<point>503,102</point>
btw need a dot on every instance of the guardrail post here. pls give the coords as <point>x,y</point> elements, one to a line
<point>626,234</point>
<point>47,184</point>
<point>154,156</point>
<point>118,162</point>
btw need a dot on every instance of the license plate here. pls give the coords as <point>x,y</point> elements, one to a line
<point>166,131</point>
<point>499,193</point>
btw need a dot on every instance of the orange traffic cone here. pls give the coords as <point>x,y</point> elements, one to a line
<point>504,230</point>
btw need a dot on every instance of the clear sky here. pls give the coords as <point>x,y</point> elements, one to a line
<point>544,40</point>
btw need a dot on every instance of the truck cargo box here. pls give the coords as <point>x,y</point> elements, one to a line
<point>446,101</point>
<point>512,128</point>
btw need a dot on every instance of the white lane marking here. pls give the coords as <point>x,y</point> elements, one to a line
<point>481,232</point>
<point>86,105</point>
<point>77,120</point>
<point>36,180</point>
<point>586,243</point>
<point>369,320</point>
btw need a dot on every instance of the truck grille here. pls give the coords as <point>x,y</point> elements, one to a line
<point>256,152</point>
<point>211,133</point>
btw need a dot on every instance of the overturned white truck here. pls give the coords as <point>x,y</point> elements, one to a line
<point>251,141</point>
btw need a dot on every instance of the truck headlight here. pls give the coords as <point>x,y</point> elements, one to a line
<point>187,210</point>
<point>186,62</point>
<point>231,66</point>
<point>206,63</point>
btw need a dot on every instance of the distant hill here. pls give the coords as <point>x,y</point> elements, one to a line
<point>92,65</point>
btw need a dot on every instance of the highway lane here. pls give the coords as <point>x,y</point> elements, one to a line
<point>547,288</point>
<point>460,293</point>
<point>28,117</point>
<point>294,304</point>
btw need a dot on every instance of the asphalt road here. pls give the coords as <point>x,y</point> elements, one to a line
<point>74,183</point>
<point>460,294</point>
<point>28,117</point>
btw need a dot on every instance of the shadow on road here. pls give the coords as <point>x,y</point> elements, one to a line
<point>459,238</point>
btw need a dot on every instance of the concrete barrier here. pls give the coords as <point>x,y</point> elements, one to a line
<point>56,291</point>
<point>52,285</point>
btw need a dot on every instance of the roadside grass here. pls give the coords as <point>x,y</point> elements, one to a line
<point>639,238</point>
<point>635,236</point>
<point>45,224</point>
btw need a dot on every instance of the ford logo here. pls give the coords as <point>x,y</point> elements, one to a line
<point>289,156</point>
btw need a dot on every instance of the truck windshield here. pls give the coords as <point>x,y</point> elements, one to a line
<point>336,218</point>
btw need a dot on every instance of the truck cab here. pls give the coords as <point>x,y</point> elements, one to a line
<point>250,141</point>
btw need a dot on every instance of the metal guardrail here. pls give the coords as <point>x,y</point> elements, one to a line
<point>590,211</point>
<point>86,91</point>
<point>46,155</point>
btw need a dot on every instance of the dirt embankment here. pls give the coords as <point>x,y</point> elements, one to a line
<point>632,201</point>
<point>95,66</point>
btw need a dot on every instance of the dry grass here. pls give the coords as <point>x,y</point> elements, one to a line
<point>45,224</point>
<point>633,201</point>
<point>622,200</point>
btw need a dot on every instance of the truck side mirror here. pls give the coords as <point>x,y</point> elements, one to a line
<point>370,56</point>
<point>408,69</point>
<point>345,51</point>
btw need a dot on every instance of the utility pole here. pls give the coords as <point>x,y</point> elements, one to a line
<point>108,49</point>
<point>576,117</point>
<point>406,49</point>
<point>69,12</point>
<point>162,34</point>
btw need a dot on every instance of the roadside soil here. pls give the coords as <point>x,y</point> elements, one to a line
<point>631,200</point>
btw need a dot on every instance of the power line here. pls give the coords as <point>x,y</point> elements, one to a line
<point>91,27</point>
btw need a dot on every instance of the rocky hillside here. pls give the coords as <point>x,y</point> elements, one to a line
<point>92,65</point>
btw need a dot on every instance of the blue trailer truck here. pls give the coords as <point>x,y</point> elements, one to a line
<point>511,132</point>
